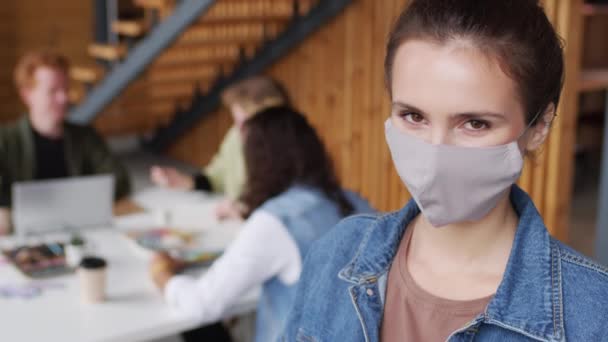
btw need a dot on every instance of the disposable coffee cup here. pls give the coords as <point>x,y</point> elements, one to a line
<point>92,274</point>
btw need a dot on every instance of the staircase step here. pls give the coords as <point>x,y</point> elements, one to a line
<point>108,52</point>
<point>221,53</point>
<point>204,33</point>
<point>178,91</point>
<point>159,75</point>
<point>164,7</point>
<point>121,117</point>
<point>86,74</point>
<point>156,107</point>
<point>76,93</point>
<point>155,4</point>
<point>248,10</point>
<point>122,123</point>
<point>129,28</point>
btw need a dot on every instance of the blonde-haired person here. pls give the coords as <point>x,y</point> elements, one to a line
<point>41,144</point>
<point>226,172</point>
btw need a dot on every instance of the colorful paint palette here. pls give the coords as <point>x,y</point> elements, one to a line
<point>181,245</point>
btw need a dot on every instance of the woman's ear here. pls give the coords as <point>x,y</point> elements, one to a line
<point>539,132</point>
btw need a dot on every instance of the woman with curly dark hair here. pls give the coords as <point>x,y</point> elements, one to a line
<point>292,198</point>
<point>282,150</point>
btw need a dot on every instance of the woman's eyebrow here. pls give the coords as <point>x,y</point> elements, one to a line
<point>466,115</point>
<point>478,115</point>
<point>408,107</point>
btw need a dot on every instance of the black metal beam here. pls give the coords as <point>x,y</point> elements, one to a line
<point>272,51</point>
<point>139,58</point>
<point>101,28</point>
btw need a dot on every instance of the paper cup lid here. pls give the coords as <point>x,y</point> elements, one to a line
<point>93,263</point>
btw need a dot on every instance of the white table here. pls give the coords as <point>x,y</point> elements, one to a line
<point>134,310</point>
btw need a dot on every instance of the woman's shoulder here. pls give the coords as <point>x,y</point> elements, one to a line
<point>301,198</point>
<point>295,198</point>
<point>360,204</point>
<point>355,226</point>
<point>320,283</point>
<point>340,244</point>
<point>334,251</point>
<point>581,263</point>
<point>584,292</point>
<point>581,268</point>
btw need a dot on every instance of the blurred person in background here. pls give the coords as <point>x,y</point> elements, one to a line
<point>291,199</point>
<point>226,172</point>
<point>42,144</point>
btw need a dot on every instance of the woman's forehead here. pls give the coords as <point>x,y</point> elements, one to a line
<point>451,77</point>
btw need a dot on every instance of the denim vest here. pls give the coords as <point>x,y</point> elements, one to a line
<point>307,214</point>
<point>549,292</point>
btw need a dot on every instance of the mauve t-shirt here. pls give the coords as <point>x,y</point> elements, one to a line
<point>411,314</point>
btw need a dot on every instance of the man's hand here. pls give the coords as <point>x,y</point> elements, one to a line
<point>168,177</point>
<point>126,206</point>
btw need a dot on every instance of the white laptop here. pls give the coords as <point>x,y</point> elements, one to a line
<point>62,204</point>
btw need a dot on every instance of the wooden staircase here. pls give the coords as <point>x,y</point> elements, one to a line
<point>227,34</point>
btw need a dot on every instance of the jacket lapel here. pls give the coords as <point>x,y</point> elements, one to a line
<point>28,165</point>
<point>369,308</point>
<point>529,298</point>
<point>368,270</point>
<point>72,155</point>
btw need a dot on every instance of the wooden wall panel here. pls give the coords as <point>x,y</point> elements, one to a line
<point>560,146</point>
<point>595,44</point>
<point>65,26</point>
<point>204,139</point>
<point>336,78</point>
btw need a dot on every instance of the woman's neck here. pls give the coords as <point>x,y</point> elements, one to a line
<point>483,244</point>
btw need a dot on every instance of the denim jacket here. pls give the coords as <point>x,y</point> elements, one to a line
<point>549,292</point>
<point>307,214</point>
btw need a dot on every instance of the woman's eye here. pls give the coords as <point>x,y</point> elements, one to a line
<point>476,125</point>
<point>414,118</point>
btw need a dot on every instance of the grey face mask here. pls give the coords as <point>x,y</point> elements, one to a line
<point>453,183</point>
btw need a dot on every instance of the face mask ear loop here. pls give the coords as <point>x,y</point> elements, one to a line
<point>532,122</point>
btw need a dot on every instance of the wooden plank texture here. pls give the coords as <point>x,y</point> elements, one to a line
<point>64,26</point>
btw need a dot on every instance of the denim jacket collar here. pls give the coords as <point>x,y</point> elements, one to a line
<point>528,299</point>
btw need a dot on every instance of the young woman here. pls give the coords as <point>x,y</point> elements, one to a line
<point>474,86</point>
<point>225,173</point>
<point>292,198</point>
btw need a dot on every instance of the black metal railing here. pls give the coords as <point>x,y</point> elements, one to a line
<point>142,54</point>
<point>271,50</point>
